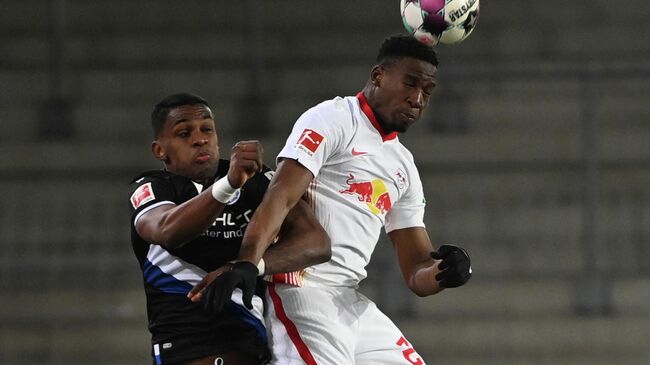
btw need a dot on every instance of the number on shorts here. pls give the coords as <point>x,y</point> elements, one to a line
<point>409,354</point>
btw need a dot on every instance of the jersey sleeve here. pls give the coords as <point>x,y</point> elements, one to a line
<point>409,210</point>
<point>149,192</point>
<point>316,135</point>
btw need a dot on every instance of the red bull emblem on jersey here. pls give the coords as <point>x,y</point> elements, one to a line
<point>373,193</point>
<point>142,195</point>
<point>309,141</point>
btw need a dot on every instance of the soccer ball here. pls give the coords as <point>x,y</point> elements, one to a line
<point>439,21</point>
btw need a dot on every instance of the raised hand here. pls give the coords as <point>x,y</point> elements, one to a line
<point>245,161</point>
<point>456,268</point>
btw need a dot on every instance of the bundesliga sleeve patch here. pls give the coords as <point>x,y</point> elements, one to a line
<point>142,195</point>
<point>309,141</point>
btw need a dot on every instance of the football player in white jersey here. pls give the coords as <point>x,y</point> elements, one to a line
<point>346,155</point>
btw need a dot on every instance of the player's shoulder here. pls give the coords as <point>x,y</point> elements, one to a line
<point>405,152</point>
<point>151,174</point>
<point>333,113</point>
<point>338,105</point>
<point>161,179</point>
<point>161,176</point>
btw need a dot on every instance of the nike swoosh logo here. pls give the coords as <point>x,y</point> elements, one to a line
<point>357,153</point>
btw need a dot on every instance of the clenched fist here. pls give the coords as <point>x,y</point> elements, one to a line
<point>245,161</point>
<point>456,266</point>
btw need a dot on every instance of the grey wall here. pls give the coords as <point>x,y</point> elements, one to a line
<point>533,154</point>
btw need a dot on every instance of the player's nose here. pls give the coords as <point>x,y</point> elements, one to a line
<point>200,140</point>
<point>416,99</point>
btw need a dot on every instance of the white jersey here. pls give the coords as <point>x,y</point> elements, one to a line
<point>365,179</point>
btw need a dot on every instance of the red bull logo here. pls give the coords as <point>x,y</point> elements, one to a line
<point>373,193</point>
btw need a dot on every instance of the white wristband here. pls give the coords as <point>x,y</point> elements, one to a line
<point>261,268</point>
<point>223,192</point>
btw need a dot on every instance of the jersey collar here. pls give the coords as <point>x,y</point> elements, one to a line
<point>367,110</point>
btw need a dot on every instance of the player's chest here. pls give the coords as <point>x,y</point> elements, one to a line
<point>370,175</point>
<point>230,224</point>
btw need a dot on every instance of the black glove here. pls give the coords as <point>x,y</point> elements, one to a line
<point>456,266</point>
<point>243,275</point>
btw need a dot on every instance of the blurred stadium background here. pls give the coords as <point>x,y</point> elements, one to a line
<point>534,155</point>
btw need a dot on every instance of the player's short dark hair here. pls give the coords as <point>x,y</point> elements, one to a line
<point>161,110</point>
<point>405,45</point>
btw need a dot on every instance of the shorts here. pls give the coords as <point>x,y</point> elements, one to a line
<point>332,326</point>
<point>237,329</point>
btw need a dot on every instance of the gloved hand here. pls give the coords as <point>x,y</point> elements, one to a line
<point>243,275</point>
<point>456,266</point>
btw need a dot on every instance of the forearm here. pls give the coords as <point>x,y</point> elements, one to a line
<point>423,280</point>
<point>263,228</point>
<point>413,248</point>
<point>180,224</point>
<point>281,259</point>
<point>302,243</point>
<point>285,190</point>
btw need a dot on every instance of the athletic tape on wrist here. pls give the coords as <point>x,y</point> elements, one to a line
<point>223,192</point>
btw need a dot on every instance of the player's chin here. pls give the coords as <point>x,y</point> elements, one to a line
<point>403,122</point>
<point>402,126</point>
<point>205,169</point>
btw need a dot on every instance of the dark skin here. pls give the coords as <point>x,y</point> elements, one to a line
<point>398,93</point>
<point>188,145</point>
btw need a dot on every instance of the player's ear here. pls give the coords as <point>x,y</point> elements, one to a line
<point>158,151</point>
<point>376,74</point>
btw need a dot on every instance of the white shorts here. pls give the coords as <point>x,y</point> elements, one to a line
<point>332,326</point>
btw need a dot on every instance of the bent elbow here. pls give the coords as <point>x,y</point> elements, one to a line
<point>169,239</point>
<point>322,251</point>
<point>326,250</point>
